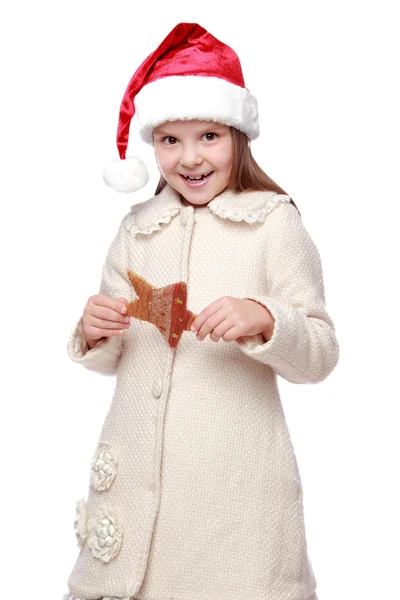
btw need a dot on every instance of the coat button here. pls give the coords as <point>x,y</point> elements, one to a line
<point>157,388</point>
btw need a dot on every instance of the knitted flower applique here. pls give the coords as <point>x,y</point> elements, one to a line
<point>105,534</point>
<point>80,522</point>
<point>103,467</point>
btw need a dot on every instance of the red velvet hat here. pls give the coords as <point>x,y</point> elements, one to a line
<point>191,75</point>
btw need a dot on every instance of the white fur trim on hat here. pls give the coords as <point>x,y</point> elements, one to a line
<point>185,97</point>
<point>128,175</point>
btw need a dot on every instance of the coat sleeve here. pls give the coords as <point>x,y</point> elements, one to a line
<point>303,347</point>
<point>104,357</point>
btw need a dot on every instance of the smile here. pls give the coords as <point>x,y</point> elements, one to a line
<point>195,182</point>
<point>197,178</point>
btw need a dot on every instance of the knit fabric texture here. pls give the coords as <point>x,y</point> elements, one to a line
<point>195,491</point>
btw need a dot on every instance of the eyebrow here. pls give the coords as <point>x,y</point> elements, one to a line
<point>203,130</point>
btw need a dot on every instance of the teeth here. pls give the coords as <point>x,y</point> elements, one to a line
<point>197,178</point>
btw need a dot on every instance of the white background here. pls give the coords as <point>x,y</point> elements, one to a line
<point>326,78</point>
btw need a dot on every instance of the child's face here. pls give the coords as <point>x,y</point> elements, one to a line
<point>194,148</point>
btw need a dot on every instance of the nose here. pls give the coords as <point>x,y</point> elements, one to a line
<point>190,156</point>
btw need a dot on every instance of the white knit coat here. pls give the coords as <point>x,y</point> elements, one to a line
<point>195,492</point>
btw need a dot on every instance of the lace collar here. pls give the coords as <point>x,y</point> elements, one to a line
<point>251,207</point>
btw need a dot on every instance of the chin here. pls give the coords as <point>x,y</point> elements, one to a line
<point>198,199</point>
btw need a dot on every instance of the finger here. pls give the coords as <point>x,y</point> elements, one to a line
<point>109,312</point>
<point>220,330</point>
<point>206,313</point>
<point>123,304</point>
<point>211,323</point>
<point>95,333</point>
<point>243,338</point>
<point>217,333</point>
<point>97,328</point>
<point>116,304</point>
<point>234,333</point>
<point>107,324</point>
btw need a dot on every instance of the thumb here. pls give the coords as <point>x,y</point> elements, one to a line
<point>122,301</point>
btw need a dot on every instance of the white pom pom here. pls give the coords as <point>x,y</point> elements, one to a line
<point>128,175</point>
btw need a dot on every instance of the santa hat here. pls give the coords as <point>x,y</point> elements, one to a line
<point>191,75</point>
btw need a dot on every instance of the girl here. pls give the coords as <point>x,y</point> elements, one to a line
<point>195,492</point>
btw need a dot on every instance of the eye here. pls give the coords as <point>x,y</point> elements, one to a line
<point>211,134</point>
<point>169,137</point>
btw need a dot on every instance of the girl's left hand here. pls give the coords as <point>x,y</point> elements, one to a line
<point>233,319</point>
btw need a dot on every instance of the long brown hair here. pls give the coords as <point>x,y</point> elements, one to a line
<point>246,174</point>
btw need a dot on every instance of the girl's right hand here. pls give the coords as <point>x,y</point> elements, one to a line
<point>103,317</point>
